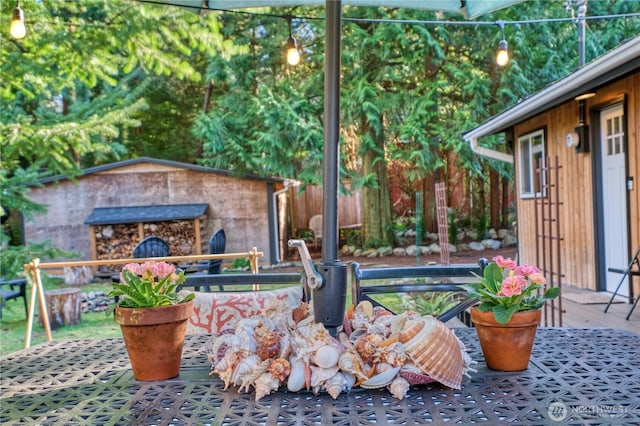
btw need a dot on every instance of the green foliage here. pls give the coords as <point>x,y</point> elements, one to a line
<point>453,226</point>
<point>13,258</point>
<point>481,223</point>
<point>430,303</point>
<point>240,263</point>
<point>143,286</point>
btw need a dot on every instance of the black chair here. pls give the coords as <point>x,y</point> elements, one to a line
<point>151,247</point>
<point>217,245</point>
<point>16,288</point>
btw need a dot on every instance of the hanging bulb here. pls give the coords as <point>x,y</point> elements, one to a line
<point>502,58</point>
<point>293,56</point>
<point>17,28</point>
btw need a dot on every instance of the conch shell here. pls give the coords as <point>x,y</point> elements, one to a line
<point>434,348</point>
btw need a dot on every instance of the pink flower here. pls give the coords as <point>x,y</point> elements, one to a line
<point>526,270</point>
<point>504,263</point>
<point>537,278</point>
<point>513,285</point>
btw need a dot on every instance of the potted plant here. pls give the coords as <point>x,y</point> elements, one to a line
<point>152,317</point>
<point>508,315</point>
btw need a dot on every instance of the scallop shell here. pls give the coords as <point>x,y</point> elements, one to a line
<point>435,350</point>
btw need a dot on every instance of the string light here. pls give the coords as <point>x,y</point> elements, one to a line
<point>502,57</point>
<point>293,55</point>
<point>17,29</point>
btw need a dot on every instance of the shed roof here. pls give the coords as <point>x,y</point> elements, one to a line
<point>170,163</point>
<point>135,214</point>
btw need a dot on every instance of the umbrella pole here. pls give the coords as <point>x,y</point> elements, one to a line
<point>329,300</point>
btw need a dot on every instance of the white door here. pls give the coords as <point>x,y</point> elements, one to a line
<point>615,196</point>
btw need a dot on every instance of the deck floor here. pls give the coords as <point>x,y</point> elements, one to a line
<point>578,315</point>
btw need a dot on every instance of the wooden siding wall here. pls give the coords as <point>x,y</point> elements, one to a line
<point>575,182</point>
<point>237,205</point>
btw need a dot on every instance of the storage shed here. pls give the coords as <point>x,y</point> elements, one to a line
<point>135,198</point>
<point>582,218</point>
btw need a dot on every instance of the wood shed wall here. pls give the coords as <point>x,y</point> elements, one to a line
<point>237,205</point>
<point>576,183</point>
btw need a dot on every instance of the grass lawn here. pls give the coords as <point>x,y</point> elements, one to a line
<point>13,326</point>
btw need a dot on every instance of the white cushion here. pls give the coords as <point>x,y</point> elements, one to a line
<point>216,311</point>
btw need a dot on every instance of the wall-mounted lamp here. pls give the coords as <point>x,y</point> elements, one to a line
<point>502,57</point>
<point>582,129</point>
<point>293,55</point>
<point>17,29</point>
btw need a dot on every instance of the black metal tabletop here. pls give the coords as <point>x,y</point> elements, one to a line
<point>576,376</point>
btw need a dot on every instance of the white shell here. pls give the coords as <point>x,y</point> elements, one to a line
<point>382,379</point>
<point>296,380</point>
<point>326,356</point>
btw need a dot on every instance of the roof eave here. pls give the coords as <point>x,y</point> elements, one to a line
<point>598,72</point>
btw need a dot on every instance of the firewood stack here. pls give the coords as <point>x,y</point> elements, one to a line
<point>118,241</point>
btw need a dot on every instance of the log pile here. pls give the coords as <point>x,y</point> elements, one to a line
<point>118,241</point>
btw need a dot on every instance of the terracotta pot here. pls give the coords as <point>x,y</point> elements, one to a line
<point>506,347</point>
<point>154,338</point>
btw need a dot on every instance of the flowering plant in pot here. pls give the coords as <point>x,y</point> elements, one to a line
<point>507,317</point>
<point>152,317</point>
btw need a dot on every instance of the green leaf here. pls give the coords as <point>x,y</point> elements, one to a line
<point>503,315</point>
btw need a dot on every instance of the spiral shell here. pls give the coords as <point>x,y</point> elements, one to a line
<point>435,350</point>
<point>265,384</point>
<point>268,345</point>
<point>280,369</point>
<point>399,387</point>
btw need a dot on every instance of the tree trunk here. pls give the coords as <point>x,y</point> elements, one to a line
<point>376,205</point>
<point>63,307</point>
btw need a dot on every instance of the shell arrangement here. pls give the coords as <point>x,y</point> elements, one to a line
<point>284,347</point>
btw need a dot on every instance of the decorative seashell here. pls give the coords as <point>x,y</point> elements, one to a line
<point>435,350</point>
<point>326,356</point>
<point>366,307</point>
<point>247,371</point>
<point>350,362</point>
<point>367,345</point>
<point>300,375</point>
<point>335,384</point>
<point>265,384</point>
<point>393,354</point>
<point>301,312</point>
<point>382,379</point>
<point>320,375</point>
<point>398,387</point>
<point>217,347</point>
<point>280,369</point>
<point>268,345</point>
<point>225,367</point>
<point>416,378</point>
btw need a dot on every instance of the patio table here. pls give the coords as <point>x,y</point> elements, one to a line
<point>581,376</point>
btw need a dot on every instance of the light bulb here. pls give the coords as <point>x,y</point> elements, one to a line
<point>502,58</point>
<point>17,28</point>
<point>293,56</point>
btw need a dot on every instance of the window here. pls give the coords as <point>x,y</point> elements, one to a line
<point>531,160</point>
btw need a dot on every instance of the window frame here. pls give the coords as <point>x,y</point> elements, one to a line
<point>531,155</point>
